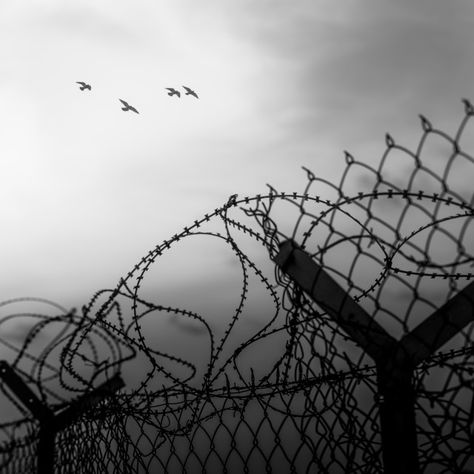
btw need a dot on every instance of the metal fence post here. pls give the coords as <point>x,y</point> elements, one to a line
<point>51,423</point>
<point>397,419</point>
<point>395,360</point>
<point>46,452</point>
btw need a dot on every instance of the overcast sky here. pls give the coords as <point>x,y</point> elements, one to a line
<point>87,189</point>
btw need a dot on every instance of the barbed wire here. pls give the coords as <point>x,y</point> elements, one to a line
<point>312,402</point>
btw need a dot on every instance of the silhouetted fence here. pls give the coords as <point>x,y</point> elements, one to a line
<point>363,365</point>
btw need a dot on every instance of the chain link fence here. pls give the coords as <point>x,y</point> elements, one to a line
<point>369,314</point>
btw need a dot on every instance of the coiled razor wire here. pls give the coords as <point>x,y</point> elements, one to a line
<point>399,245</point>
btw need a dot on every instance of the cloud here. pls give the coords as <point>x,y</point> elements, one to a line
<point>283,84</point>
<point>345,71</point>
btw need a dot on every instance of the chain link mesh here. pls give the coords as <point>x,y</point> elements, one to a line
<point>395,236</point>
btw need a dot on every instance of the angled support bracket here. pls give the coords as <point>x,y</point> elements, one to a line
<point>395,360</point>
<point>51,423</point>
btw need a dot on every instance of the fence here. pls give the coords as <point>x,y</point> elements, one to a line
<point>364,364</point>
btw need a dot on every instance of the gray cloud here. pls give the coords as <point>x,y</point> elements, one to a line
<point>364,67</point>
<point>283,84</point>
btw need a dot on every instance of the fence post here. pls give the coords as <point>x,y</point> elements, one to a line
<point>46,449</point>
<point>397,419</point>
<point>51,423</point>
<point>395,360</point>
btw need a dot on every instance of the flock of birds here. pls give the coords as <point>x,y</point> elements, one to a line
<point>126,106</point>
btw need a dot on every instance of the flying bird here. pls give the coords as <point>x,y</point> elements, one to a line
<point>128,107</point>
<point>83,85</point>
<point>190,92</point>
<point>173,91</point>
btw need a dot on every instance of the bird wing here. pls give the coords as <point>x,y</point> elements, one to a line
<point>124,103</point>
<point>170,89</point>
<point>81,83</point>
<point>134,109</point>
<point>190,92</point>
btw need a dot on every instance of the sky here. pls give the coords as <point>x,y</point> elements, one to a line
<point>87,190</point>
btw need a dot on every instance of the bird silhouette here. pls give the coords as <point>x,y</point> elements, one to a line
<point>173,91</point>
<point>83,85</point>
<point>190,92</point>
<point>128,107</point>
<point>232,199</point>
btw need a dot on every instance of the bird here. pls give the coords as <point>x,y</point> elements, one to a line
<point>83,85</point>
<point>190,92</point>
<point>128,107</point>
<point>173,91</point>
<point>232,199</point>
